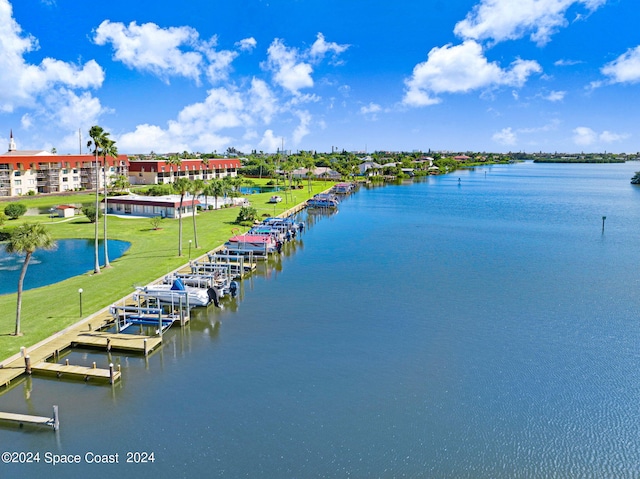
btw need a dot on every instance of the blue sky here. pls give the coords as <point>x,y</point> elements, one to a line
<point>205,75</point>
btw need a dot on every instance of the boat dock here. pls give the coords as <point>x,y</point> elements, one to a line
<point>22,419</point>
<point>38,359</point>
<point>104,329</point>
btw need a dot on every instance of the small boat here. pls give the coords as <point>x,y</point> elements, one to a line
<point>343,188</point>
<point>323,201</point>
<point>178,291</point>
<point>275,199</point>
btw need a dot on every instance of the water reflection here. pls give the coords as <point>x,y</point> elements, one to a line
<point>71,257</point>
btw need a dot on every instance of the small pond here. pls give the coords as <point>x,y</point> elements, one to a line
<point>250,190</point>
<point>71,257</point>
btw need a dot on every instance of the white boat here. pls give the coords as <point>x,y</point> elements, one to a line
<point>177,291</point>
<point>323,201</point>
<point>275,199</point>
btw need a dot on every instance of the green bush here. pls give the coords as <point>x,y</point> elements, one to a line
<point>247,214</point>
<point>15,210</point>
<point>90,213</point>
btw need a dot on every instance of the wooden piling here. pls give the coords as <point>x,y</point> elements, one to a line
<point>56,420</point>
<point>110,373</point>
<point>27,364</point>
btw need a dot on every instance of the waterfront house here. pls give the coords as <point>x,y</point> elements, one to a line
<point>154,172</point>
<point>150,206</point>
<point>370,168</point>
<point>319,172</point>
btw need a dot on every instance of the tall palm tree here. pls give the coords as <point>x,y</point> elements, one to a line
<point>96,133</point>
<point>26,238</point>
<point>174,160</point>
<point>196,188</point>
<point>108,149</point>
<point>181,186</point>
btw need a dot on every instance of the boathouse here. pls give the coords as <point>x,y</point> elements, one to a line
<point>150,206</point>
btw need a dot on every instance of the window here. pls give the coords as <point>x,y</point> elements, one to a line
<point>65,179</point>
<point>17,182</point>
<point>16,173</point>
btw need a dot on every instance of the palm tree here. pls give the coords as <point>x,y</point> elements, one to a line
<point>197,187</point>
<point>181,186</point>
<point>217,188</point>
<point>108,149</point>
<point>26,239</point>
<point>96,133</point>
<point>174,160</point>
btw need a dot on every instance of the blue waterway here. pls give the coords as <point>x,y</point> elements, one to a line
<point>69,257</point>
<point>481,328</point>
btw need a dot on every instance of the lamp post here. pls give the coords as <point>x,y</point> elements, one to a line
<point>80,293</point>
<point>189,250</point>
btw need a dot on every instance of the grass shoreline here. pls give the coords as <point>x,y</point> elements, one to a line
<point>153,253</point>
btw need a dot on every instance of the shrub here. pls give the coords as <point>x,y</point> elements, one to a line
<point>15,210</point>
<point>155,222</point>
<point>90,213</point>
<point>247,214</point>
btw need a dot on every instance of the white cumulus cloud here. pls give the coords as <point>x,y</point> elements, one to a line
<point>247,44</point>
<point>292,69</point>
<point>555,96</point>
<point>460,69</point>
<point>585,136</point>
<point>321,47</point>
<point>625,68</point>
<point>147,47</point>
<point>289,71</point>
<point>506,136</point>
<point>500,20</point>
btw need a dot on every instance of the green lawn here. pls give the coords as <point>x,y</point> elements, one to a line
<point>153,254</point>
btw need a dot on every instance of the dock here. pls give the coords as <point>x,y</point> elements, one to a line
<point>22,419</point>
<point>83,373</point>
<point>133,309</point>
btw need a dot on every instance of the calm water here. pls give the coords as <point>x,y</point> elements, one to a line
<point>70,257</point>
<point>485,328</point>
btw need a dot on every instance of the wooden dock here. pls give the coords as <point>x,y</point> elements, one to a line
<point>84,373</point>
<point>89,333</point>
<point>22,419</point>
<point>37,357</point>
<point>131,343</point>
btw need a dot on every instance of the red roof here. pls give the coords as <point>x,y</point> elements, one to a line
<point>153,201</point>
<point>185,165</point>
<point>25,162</point>
<point>246,238</point>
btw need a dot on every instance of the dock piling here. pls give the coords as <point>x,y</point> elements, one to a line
<point>110,373</point>
<point>56,420</point>
<point>27,364</point>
